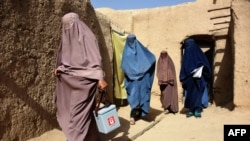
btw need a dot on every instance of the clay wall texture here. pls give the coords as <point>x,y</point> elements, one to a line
<point>29,38</point>
<point>30,34</point>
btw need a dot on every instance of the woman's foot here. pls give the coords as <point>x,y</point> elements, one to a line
<point>197,114</point>
<point>132,121</point>
<point>169,112</point>
<point>166,111</point>
<point>189,114</point>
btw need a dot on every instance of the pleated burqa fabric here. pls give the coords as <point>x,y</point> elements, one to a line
<point>79,62</point>
<point>167,82</point>
<point>138,64</point>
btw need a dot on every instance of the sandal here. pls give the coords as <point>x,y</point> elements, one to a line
<point>132,121</point>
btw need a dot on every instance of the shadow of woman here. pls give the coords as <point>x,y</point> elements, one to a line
<point>152,115</point>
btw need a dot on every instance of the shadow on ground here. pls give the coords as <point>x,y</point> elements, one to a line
<point>127,132</point>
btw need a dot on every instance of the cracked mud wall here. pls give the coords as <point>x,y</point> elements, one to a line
<point>29,38</point>
<point>30,33</point>
<point>241,41</point>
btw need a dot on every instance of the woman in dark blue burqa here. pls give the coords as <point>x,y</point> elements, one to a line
<point>138,64</point>
<point>194,84</point>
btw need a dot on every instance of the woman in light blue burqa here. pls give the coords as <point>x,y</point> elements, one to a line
<point>138,64</point>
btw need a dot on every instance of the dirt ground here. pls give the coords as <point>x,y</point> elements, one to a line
<point>208,128</point>
<point>161,127</point>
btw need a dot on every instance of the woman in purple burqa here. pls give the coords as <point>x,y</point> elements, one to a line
<point>167,82</point>
<point>79,74</point>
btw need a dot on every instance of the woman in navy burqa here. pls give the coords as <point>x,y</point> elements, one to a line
<point>79,75</point>
<point>138,64</point>
<point>194,76</point>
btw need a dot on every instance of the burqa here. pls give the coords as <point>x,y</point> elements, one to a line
<point>138,64</point>
<point>194,58</point>
<point>167,82</point>
<point>80,68</point>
